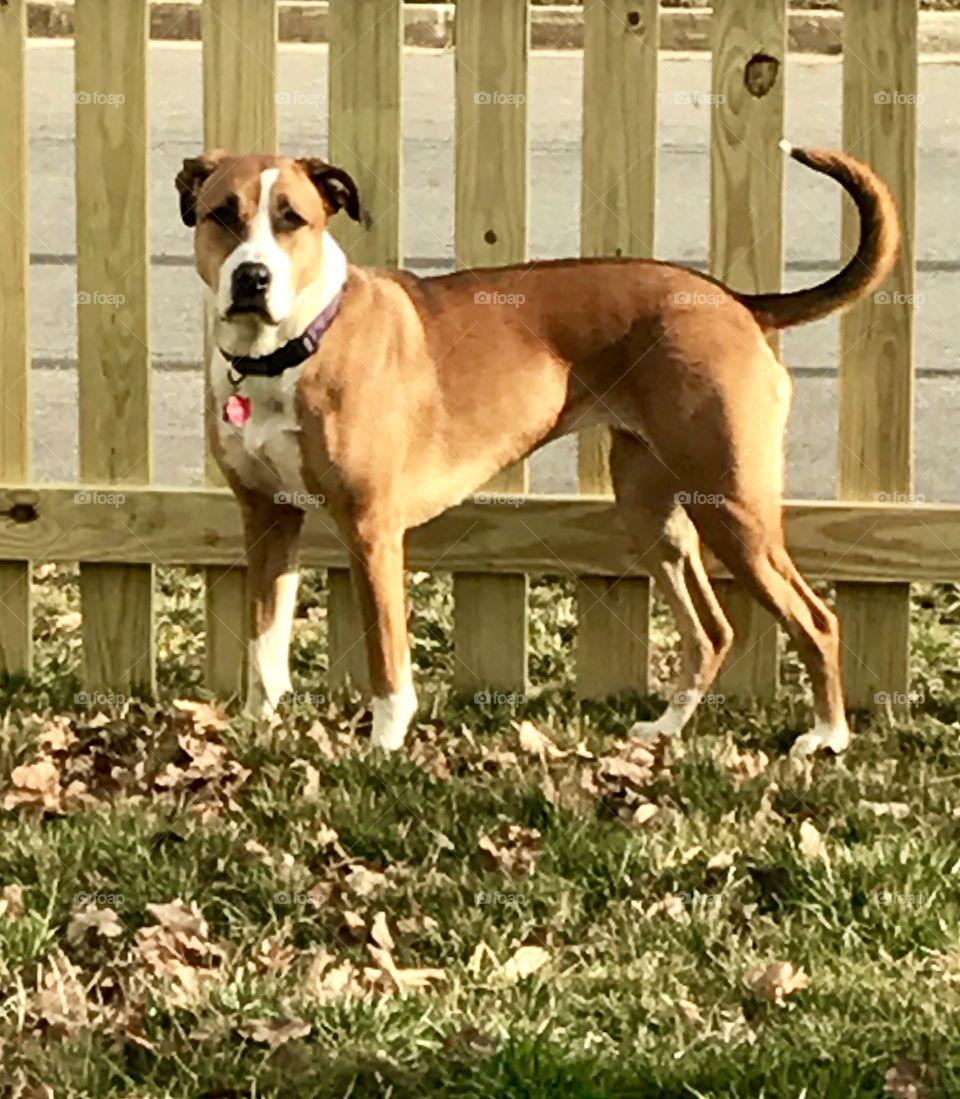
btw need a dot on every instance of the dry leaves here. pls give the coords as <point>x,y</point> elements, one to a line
<point>743,766</point>
<point>777,981</point>
<point>178,948</point>
<point>274,1032</point>
<point>100,922</point>
<point>811,843</point>
<point>907,1079</point>
<point>11,901</point>
<point>522,963</point>
<point>512,849</point>
<point>536,743</point>
<point>36,784</point>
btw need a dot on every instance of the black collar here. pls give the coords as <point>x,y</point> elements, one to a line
<point>291,354</point>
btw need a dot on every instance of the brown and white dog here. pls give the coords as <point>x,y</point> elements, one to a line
<point>392,397</point>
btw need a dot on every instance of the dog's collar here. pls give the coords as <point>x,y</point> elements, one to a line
<point>292,353</point>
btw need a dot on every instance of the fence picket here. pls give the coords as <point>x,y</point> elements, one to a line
<point>113,256</point>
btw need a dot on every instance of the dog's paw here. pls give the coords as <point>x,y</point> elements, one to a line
<point>822,737</point>
<point>650,730</point>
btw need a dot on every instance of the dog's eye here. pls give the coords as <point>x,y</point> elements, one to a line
<point>226,216</point>
<point>290,219</point>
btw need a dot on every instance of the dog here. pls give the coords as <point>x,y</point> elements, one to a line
<point>392,397</point>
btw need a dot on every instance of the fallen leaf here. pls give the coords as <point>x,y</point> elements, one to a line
<point>812,844</point>
<point>671,905</point>
<point>203,714</point>
<point>524,962</point>
<point>777,981</point>
<point>907,1079</point>
<point>722,860</point>
<point>402,979</point>
<point>536,743</point>
<point>380,933</point>
<point>512,849</point>
<point>36,783</point>
<point>102,921</point>
<point>688,1011</point>
<point>11,901</point>
<point>274,1032</point>
<point>743,765</point>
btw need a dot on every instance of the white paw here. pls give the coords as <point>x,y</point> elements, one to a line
<point>391,716</point>
<point>651,730</point>
<point>834,738</point>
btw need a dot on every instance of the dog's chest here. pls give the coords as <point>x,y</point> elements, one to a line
<point>264,451</point>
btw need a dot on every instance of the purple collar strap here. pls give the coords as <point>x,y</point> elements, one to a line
<point>291,354</point>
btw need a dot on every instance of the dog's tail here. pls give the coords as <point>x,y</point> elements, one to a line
<point>874,259</point>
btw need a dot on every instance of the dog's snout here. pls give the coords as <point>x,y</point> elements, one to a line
<point>250,282</point>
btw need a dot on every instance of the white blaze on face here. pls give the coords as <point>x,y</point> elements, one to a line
<point>261,246</point>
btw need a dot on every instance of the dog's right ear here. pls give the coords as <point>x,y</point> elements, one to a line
<point>191,177</point>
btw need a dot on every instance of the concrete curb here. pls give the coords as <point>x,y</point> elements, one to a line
<point>552,27</point>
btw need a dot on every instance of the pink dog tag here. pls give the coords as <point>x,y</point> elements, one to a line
<point>236,411</point>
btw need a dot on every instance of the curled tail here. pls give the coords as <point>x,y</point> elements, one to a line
<point>874,259</point>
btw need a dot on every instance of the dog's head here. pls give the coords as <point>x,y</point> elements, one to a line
<point>260,242</point>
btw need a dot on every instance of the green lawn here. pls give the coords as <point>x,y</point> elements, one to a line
<point>193,907</point>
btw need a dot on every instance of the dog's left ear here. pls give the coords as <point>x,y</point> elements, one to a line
<point>336,186</point>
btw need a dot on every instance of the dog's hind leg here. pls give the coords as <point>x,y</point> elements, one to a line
<point>748,539</point>
<point>651,503</point>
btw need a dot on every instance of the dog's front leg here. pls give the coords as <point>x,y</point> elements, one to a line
<point>272,533</point>
<point>377,568</point>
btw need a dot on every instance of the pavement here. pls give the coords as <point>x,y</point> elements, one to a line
<point>812,235</point>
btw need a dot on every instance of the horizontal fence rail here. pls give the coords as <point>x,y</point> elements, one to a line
<point>119,525</point>
<point>547,535</point>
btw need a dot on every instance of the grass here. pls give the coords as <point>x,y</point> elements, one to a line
<point>208,909</point>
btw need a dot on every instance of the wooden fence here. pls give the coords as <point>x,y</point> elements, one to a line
<point>872,550</point>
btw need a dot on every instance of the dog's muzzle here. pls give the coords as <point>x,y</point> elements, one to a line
<point>248,290</point>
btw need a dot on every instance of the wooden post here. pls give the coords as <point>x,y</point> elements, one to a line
<point>16,635</point>
<point>746,241</point>
<point>113,257</point>
<point>877,337</point>
<point>492,54</point>
<point>240,115</point>
<point>618,216</point>
<point>366,55</point>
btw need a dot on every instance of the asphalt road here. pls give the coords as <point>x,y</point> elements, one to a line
<point>812,227</point>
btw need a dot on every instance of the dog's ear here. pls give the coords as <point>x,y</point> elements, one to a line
<point>195,172</point>
<point>336,186</point>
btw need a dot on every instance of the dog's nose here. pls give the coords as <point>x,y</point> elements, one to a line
<point>250,282</point>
